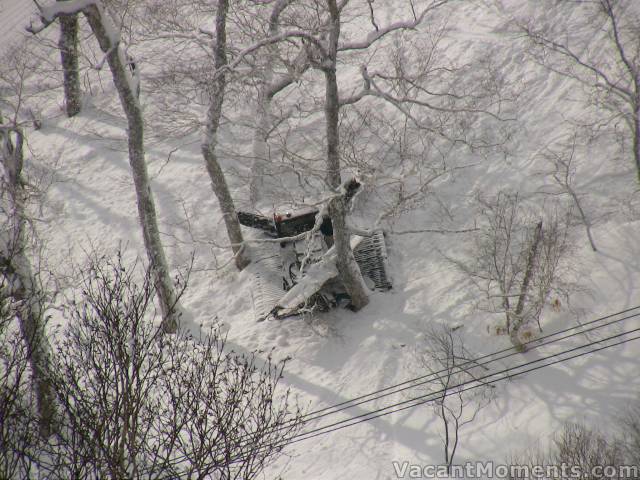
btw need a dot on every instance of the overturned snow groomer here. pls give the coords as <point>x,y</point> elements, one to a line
<point>298,273</point>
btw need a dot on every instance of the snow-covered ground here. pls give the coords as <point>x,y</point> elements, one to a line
<point>14,15</point>
<point>341,355</point>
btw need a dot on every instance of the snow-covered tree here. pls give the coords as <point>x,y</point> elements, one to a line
<point>271,82</point>
<point>125,75</point>
<point>323,50</point>
<point>210,140</point>
<point>18,280</point>
<point>347,266</point>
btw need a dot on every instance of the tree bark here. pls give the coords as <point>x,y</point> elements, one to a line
<point>636,132</point>
<point>124,82</point>
<point>23,286</point>
<point>259,148</point>
<point>347,267</point>
<point>214,113</point>
<point>263,109</point>
<point>68,45</point>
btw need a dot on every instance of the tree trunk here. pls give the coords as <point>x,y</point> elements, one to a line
<point>506,306</point>
<point>263,109</point>
<point>443,413</point>
<point>22,283</point>
<point>331,109</point>
<point>636,133</point>
<point>68,45</point>
<point>259,148</point>
<point>218,181</point>
<point>127,90</point>
<point>518,321</point>
<point>347,267</point>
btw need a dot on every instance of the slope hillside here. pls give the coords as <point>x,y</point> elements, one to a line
<point>88,202</point>
<point>15,16</point>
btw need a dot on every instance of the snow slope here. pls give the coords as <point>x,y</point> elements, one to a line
<point>14,15</point>
<point>341,355</point>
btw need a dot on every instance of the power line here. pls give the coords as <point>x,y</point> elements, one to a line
<point>477,362</point>
<point>510,352</point>
<point>424,379</point>
<point>476,382</point>
<point>470,384</point>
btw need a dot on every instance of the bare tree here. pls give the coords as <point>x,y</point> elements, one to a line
<point>629,423</point>
<point>214,113</point>
<point>271,84</point>
<point>611,71</point>
<point>177,406</point>
<point>442,355</point>
<point>561,160</point>
<point>18,423</point>
<point>323,55</point>
<point>21,93</point>
<point>20,282</point>
<point>516,261</point>
<point>126,79</point>
<point>576,450</point>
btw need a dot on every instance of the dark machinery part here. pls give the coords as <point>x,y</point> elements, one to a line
<point>290,224</point>
<point>258,221</point>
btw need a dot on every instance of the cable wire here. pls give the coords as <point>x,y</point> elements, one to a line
<point>476,382</point>
<point>424,379</point>
<point>430,377</point>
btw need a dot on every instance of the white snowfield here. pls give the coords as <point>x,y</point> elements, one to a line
<point>341,355</point>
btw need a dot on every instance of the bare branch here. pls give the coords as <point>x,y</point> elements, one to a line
<point>564,50</point>
<point>433,230</point>
<point>366,89</point>
<point>380,33</point>
<point>611,15</point>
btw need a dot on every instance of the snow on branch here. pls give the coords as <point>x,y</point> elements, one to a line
<point>366,89</point>
<point>109,36</point>
<point>379,33</point>
<point>100,64</point>
<point>305,36</point>
<point>49,13</point>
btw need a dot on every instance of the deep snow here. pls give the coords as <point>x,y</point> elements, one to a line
<point>340,355</point>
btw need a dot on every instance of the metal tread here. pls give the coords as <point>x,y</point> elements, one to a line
<point>266,275</point>
<point>371,256</point>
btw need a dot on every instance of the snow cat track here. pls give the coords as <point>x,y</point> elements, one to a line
<point>371,256</point>
<point>266,274</point>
